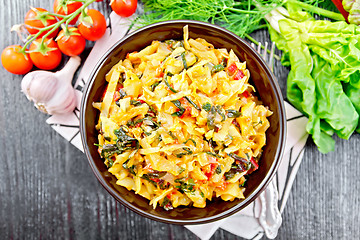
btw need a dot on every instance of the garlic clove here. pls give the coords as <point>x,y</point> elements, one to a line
<point>52,93</point>
<point>67,73</point>
<point>63,101</point>
<point>39,86</point>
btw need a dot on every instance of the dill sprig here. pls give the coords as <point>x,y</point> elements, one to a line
<point>240,17</point>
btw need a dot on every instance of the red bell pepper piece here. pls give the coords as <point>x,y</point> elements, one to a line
<point>213,167</point>
<point>246,94</point>
<point>239,75</point>
<point>187,112</point>
<point>232,68</point>
<point>159,73</point>
<point>254,163</point>
<point>155,179</point>
<point>116,96</point>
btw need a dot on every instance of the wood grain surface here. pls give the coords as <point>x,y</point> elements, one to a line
<point>48,191</point>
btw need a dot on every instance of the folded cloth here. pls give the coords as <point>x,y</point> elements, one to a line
<point>260,217</point>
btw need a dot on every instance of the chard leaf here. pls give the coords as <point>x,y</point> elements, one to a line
<point>326,59</point>
<point>333,106</point>
<point>206,106</point>
<point>181,110</point>
<point>211,118</point>
<point>192,103</point>
<point>233,113</point>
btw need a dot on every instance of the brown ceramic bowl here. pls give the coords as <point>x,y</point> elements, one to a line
<point>261,77</point>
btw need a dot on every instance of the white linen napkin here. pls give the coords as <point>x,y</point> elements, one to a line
<point>260,217</point>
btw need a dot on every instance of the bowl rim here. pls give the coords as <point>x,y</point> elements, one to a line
<point>272,170</point>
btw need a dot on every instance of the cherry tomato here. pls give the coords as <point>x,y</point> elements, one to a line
<point>14,61</point>
<point>124,8</point>
<point>71,42</point>
<point>95,30</point>
<point>66,7</point>
<point>39,18</point>
<point>46,56</point>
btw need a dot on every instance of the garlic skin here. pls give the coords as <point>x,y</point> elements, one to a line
<point>52,93</point>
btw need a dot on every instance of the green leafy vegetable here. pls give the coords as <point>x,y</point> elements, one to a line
<point>240,17</point>
<point>135,102</point>
<point>187,152</point>
<point>154,85</point>
<point>192,103</point>
<point>238,158</point>
<point>243,184</point>
<point>174,91</point>
<point>213,154</point>
<point>217,68</point>
<point>185,186</point>
<point>166,204</point>
<point>324,57</point>
<point>353,7</point>
<point>184,60</point>
<point>109,150</point>
<point>122,93</point>
<point>124,165</point>
<point>110,162</point>
<point>239,165</point>
<point>132,170</point>
<point>233,113</point>
<point>192,140</point>
<point>133,123</point>
<point>181,109</point>
<point>172,135</point>
<point>224,62</point>
<point>124,141</point>
<point>218,169</point>
<point>167,83</point>
<point>317,7</point>
<point>218,109</point>
<point>211,118</point>
<point>154,177</point>
<point>150,122</point>
<point>206,107</point>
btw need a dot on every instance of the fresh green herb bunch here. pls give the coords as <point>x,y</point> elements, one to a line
<point>240,17</point>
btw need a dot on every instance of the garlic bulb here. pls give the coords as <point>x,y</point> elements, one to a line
<point>52,93</point>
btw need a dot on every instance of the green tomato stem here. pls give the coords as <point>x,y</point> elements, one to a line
<point>48,33</point>
<point>57,15</point>
<point>51,28</point>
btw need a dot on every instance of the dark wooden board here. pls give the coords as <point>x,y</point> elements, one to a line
<point>48,191</point>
